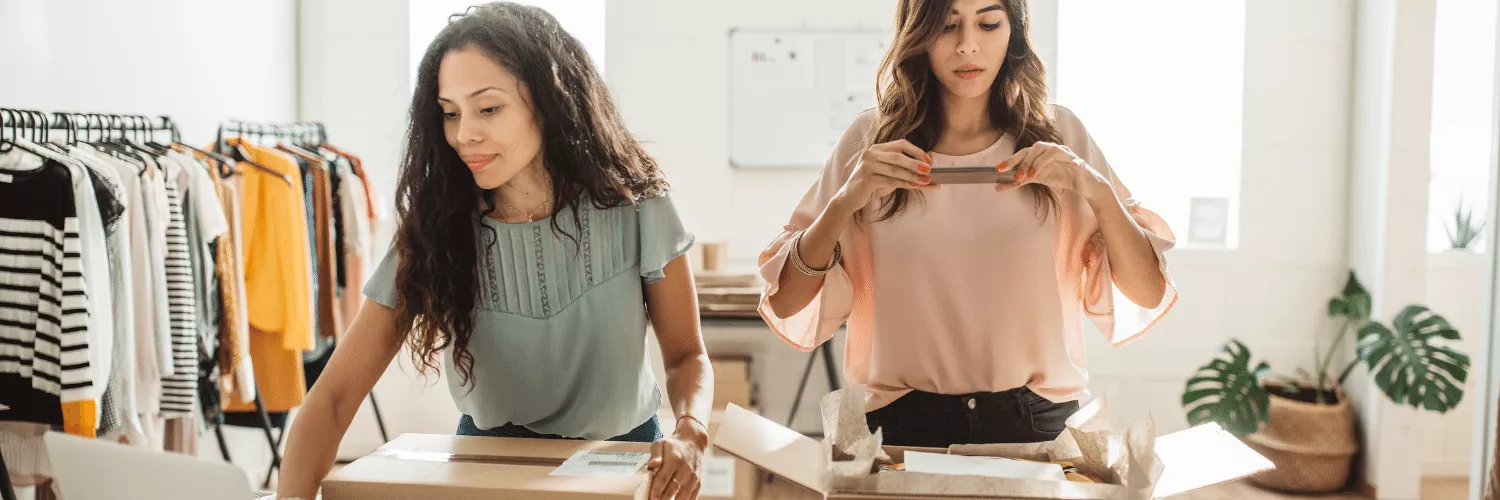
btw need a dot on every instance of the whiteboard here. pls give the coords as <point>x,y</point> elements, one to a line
<point>792,93</point>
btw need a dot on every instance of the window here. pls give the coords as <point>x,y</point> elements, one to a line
<point>584,19</point>
<point>1463,76</point>
<point>1129,71</point>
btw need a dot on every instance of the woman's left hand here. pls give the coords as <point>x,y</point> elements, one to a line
<point>1054,166</point>
<point>676,462</point>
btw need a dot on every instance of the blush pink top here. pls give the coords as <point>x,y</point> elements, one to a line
<point>967,291</point>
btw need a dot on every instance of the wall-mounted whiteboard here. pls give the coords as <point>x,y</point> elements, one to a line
<point>792,93</point>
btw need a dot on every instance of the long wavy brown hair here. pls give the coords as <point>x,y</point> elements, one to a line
<point>909,93</point>
<point>586,150</point>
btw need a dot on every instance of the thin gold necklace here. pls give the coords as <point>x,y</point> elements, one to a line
<point>530,216</point>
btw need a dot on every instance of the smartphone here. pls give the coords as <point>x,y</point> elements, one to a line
<point>971,175</point>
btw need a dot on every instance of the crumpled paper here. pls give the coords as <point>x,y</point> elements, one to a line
<point>846,436</point>
<point>1122,458</point>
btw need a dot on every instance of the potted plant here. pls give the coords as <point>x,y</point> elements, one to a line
<point>1304,424</point>
<point>1466,230</point>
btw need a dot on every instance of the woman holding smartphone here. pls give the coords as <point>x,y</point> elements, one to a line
<point>965,302</point>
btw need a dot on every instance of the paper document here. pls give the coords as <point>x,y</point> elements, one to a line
<point>602,463</point>
<point>938,463</point>
<point>718,477</point>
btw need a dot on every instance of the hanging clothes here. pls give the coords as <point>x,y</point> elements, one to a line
<point>372,209</point>
<point>44,355</point>
<point>330,321</point>
<point>278,277</point>
<point>179,389</point>
<point>237,381</point>
<point>206,223</point>
<point>118,410</point>
<point>355,232</point>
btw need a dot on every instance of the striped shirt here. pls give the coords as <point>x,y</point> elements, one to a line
<point>44,348</point>
<point>180,389</point>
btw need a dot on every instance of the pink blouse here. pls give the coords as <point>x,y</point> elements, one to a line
<point>967,291</point>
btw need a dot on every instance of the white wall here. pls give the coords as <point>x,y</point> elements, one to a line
<point>1458,287</point>
<point>152,57</point>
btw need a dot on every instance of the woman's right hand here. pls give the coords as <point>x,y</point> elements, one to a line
<point>884,168</point>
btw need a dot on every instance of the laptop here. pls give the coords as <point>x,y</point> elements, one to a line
<point>87,469</point>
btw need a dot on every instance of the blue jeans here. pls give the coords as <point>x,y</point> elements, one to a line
<point>648,432</point>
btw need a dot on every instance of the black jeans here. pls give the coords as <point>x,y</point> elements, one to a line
<point>930,420</point>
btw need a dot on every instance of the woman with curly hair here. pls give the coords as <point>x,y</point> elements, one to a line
<point>535,239</point>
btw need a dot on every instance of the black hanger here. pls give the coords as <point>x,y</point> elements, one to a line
<point>42,131</point>
<point>6,123</point>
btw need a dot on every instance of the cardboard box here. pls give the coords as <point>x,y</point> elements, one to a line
<point>1137,464</point>
<point>730,369</point>
<point>727,393</point>
<point>465,468</point>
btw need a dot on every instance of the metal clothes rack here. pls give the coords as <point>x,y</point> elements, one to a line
<point>100,127</point>
<point>300,133</point>
<point>38,126</point>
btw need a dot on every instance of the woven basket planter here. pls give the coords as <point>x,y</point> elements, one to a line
<point>1312,445</point>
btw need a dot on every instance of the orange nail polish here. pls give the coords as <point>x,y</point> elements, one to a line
<point>1001,166</point>
<point>924,168</point>
<point>925,180</point>
<point>927,157</point>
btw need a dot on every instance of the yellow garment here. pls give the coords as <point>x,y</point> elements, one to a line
<point>79,418</point>
<point>278,277</point>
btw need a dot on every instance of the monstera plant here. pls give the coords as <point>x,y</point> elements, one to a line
<point>1411,361</point>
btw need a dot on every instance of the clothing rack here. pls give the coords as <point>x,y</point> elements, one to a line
<point>86,127</point>
<point>38,126</point>
<point>302,134</point>
<point>71,127</point>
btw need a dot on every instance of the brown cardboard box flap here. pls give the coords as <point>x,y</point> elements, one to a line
<point>463,468</point>
<point>773,447</point>
<point>1140,461</point>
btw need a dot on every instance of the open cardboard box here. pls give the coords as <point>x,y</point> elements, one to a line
<point>472,468</point>
<point>1137,464</point>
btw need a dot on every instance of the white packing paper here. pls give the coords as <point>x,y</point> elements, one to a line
<point>602,463</point>
<point>942,463</point>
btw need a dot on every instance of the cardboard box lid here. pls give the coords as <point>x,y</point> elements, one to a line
<point>773,447</point>
<point>1195,458</point>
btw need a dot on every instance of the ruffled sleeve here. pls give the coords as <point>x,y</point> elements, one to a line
<point>1117,317</point>
<point>663,237</point>
<point>817,322</point>
<point>382,285</point>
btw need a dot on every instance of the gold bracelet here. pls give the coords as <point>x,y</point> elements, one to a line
<point>802,266</point>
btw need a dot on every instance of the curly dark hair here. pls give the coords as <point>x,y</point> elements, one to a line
<point>909,92</point>
<point>586,150</point>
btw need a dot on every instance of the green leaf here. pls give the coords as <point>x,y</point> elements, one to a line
<point>1408,364</point>
<point>1228,390</point>
<point>1353,303</point>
